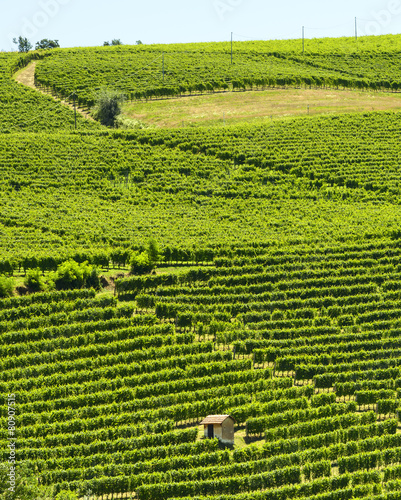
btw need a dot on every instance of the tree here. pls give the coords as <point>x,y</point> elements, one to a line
<point>6,286</point>
<point>140,263</point>
<point>153,251</point>
<point>138,42</point>
<point>71,274</point>
<point>34,280</point>
<point>108,106</point>
<point>24,45</point>
<point>116,41</point>
<point>47,44</point>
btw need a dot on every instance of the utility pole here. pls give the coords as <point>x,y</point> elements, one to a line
<point>163,68</point>
<point>231,47</point>
<point>303,39</point>
<point>356,30</point>
<point>75,111</point>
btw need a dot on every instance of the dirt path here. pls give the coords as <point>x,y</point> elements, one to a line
<point>26,77</point>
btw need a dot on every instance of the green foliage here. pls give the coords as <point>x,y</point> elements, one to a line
<point>108,106</point>
<point>66,495</point>
<point>125,123</point>
<point>153,251</point>
<point>292,222</point>
<point>93,280</point>
<point>27,111</point>
<point>26,485</point>
<point>34,280</point>
<point>24,45</point>
<point>115,41</point>
<point>46,44</point>
<point>144,262</point>
<point>386,406</point>
<point>323,399</point>
<point>71,274</point>
<point>200,68</point>
<point>6,286</point>
<point>178,189</point>
<point>140,263</point>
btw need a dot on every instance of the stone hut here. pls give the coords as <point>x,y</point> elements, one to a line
<point>219,426</point>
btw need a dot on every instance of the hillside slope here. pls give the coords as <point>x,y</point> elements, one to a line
<point>157,71</point>
<point>275,299</point>
<point>26,110</point>
<point>299,344</point>
<point>306,179</point>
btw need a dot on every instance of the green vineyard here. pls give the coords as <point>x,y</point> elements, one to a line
<point>160,71</point>
<point>251,271</point>
<point>23,109</point>
<point>300,346</point>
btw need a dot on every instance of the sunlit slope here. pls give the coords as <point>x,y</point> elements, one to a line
<point>299,343</point>
<point>331,178</point>
<point>25,110</point>
<point>276,295</point>
<point>220,109</point>
<point>148,71</point>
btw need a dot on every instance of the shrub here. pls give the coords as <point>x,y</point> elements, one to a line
<point>125,123</point>
<point>141,263</point>
<point>153,251</point>
<point>34,280</point>
<point>93,280</point>
<point>6,286</point>
<point>71,274</point>
<point>108,106</point>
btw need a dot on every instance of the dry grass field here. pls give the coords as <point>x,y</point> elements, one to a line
<point>256,107</point>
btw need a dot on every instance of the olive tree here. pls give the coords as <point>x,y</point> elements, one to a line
<point>108,106</point>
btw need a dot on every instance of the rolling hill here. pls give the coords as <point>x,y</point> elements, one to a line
<point>274,298</point>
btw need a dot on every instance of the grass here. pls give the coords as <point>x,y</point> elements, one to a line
<point>256,107</point>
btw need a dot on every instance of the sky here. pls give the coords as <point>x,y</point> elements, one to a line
<point>89,23</point>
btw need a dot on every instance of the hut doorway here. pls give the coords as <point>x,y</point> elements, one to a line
<point>220,427</point>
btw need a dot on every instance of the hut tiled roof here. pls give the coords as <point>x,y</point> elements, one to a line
<point>215,419</point>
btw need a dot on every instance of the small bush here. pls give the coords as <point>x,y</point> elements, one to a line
<point>125,123</point>
<point>6,286</point>
<point>108,106</point>
<point>71,275</point>
<point>153,251</point>
<point>93,280</point>
<point>141,263</point>
<point>34,280</point>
